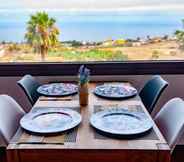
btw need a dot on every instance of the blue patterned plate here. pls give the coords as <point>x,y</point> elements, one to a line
<point>115,91</point>
<point>57,89</point>
<point>50,120</point>
<point>121,122</point>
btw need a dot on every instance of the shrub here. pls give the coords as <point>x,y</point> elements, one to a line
<point>155,54</point>
<point>13,47</point>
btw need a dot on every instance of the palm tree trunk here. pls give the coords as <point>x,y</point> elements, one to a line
<point>43,51</point>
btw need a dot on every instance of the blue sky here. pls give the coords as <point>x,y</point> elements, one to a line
<point>70,4</point>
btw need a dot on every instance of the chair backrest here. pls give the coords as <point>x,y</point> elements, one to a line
<point>29,86</point>
<point>10,115</point>
<point>170,120</point>
<point>152,91</point>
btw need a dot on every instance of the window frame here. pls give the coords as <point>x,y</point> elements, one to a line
<point>97,68</point>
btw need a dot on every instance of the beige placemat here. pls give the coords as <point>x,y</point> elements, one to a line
<point>151,135</point>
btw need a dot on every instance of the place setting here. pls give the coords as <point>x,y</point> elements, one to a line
<point>120,121</point>
<point>50,125</point>
<point>50,120</point>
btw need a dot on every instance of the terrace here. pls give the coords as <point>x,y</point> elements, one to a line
<point>127,61</point>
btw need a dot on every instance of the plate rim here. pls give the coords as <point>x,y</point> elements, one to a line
<point>32,114</point>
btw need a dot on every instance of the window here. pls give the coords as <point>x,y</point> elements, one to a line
<point>106,30</point>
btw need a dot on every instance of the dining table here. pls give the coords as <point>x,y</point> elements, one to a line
<point>84,143</point>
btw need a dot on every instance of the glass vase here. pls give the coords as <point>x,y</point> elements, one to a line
<point>83,94</point>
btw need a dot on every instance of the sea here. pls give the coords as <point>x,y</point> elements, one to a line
<point>95,25</point>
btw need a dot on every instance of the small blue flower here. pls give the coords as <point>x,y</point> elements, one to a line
<point>84,74</point>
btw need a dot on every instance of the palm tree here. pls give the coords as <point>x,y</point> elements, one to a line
<point>42,33</point>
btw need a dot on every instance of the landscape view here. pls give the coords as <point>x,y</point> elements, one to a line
<point>35,34</point>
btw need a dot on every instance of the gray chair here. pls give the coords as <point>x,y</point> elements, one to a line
<point>152,91</point>
<point>170,120</point>
<point>29,85</point>
<point>2,149</point>
<point>10,115</point>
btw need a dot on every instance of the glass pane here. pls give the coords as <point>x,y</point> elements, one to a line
<point>91,30</point>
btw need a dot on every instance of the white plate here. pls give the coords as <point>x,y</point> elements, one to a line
<point>57,89</point>
<point>50,120</point>
<point>121,122</point>
<point>115,91</point>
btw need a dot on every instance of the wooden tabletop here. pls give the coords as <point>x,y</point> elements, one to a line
<point>86,144</point>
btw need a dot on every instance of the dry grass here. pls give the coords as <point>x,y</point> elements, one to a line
<point>167,50</point>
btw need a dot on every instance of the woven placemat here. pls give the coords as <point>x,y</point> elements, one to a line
<point>151,135</point>
<point>64,98</point>
<point>131,108</point>
<point>23,137</point>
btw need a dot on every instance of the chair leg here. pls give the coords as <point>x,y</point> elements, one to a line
<point>3,154</point>
<point>178,154</point>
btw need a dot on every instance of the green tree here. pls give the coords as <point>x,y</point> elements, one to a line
<point>180,35</point>
<point>42,33</point>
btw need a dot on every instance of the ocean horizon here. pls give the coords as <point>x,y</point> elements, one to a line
<point>94,25</point>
